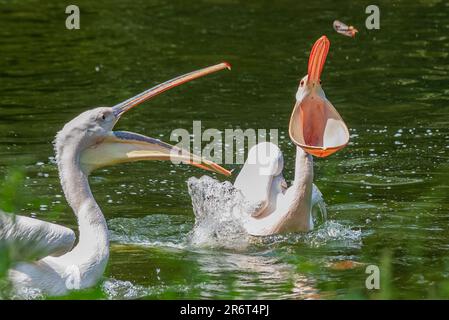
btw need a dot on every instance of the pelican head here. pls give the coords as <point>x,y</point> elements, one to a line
<point>315,124</point>
<point>89,138</point>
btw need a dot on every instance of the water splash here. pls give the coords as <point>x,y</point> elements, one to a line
<point>27,294</point>
<point>115,289</point>
<point>118,289</point>
<point>220,212</point>
<point>330,232</point>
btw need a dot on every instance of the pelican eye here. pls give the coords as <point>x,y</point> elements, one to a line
<point>301,83</point>
<point>103,117</point>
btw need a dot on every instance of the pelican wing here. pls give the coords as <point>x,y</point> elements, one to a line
<point>32,239</point>
<point>255,180</point>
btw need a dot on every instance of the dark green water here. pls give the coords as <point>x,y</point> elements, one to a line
<point>387,192</point>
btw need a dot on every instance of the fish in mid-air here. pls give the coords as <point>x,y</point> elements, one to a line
<point>343,29</point>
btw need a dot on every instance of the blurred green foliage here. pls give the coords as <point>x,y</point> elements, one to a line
<point>11,199</point>
<point>11,191</point>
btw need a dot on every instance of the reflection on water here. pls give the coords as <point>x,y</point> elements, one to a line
<point>250,272</point>
<point>245,274</point>
<point>388,189</point>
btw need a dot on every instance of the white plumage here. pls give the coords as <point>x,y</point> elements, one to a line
<point>43,254</point>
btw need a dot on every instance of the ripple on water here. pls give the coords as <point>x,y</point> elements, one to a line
<point>118,289</point>
<point>27,294</point>
<point>376,180</point>
<point>159,230</point>
<point>330,232</point>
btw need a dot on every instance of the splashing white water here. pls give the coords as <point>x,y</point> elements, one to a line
<point>220,212</point>
<point>327,233</point>
<point>27,294</point>
<point>332,231</point>
<point>118,289</point>
<point>123,290</point>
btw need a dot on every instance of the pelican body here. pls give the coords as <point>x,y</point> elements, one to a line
<point>316,129</point>
<point>277,207</point>
<point>45,255</point>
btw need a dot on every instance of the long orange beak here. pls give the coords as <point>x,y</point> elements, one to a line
<point>315,124</point>
<point>128,146</point>
<point>124,106</point>
<point>317,59</point>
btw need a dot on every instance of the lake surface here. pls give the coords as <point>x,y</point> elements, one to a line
<point>387,193</point>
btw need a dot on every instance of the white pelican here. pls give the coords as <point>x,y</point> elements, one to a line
<point>46,255</point>
<point>317,129</point>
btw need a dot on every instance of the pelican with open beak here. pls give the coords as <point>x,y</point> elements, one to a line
<point>315,124</point>
<point>316,129</point>
<point>45,257</point>
<point>119,146</point>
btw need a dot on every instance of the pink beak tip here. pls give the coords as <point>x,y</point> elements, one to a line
<point>227,64</point>
<point>324,38</point>
<point>317,58</point>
